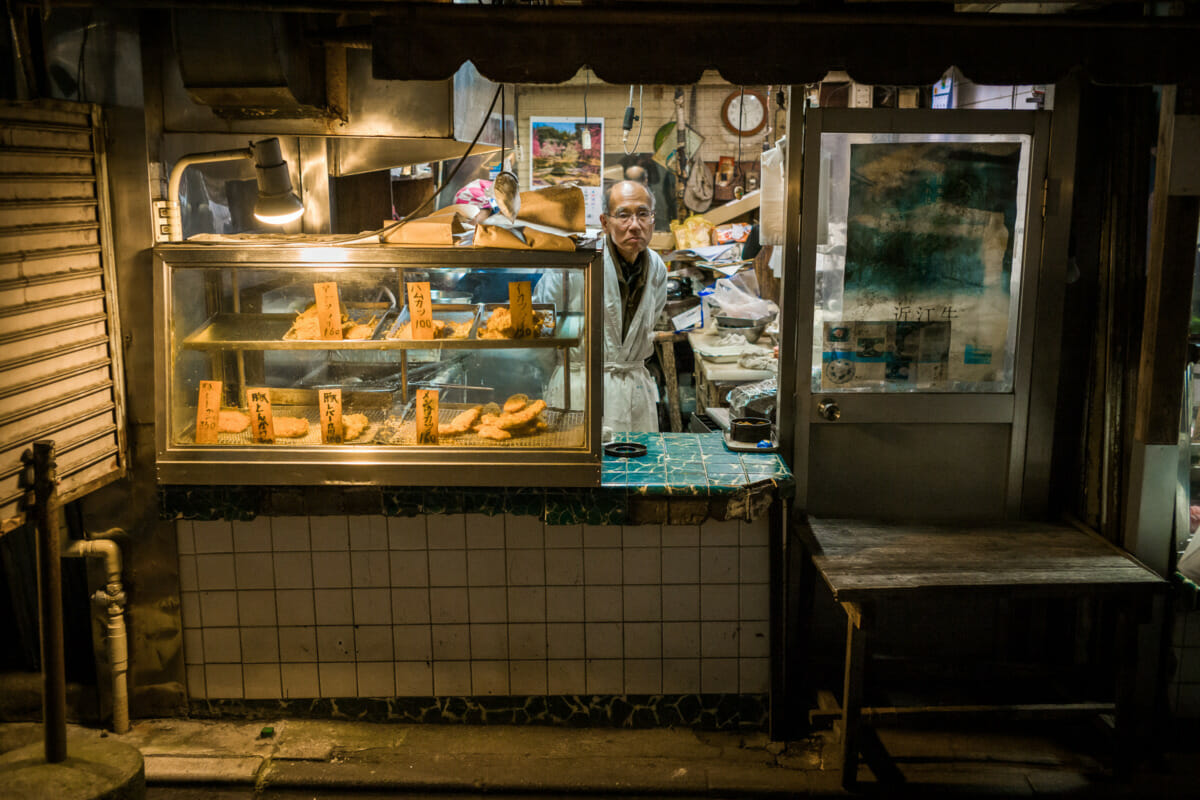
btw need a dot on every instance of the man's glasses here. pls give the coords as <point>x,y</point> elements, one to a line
<point>624,216</point>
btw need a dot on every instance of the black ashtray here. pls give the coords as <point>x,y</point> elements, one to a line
<point>624,449</point>
<point>749,429</point>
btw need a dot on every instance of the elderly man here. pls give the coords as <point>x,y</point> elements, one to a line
<point>635,292</point>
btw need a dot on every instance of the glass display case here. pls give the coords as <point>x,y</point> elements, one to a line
<point>376,364</point>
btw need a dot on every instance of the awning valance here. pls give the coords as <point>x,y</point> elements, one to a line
<point>773,44</point>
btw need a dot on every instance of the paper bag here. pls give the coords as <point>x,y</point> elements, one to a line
<point>437,228</point>
<point>497,236</point>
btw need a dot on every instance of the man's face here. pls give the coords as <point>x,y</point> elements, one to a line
<point>630,220</point>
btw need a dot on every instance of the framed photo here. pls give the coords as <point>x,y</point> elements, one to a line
<point>569,150</point>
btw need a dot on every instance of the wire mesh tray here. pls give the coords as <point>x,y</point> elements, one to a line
<point>375,417</point>
<point>564,429</point>
<point>464,316</point>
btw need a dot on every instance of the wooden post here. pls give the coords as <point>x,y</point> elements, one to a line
<point>1169,272</point>
<point>852,692</point>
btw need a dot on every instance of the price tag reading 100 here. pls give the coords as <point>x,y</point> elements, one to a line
<point>420,310</point>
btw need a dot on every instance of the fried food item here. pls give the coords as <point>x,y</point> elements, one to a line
<point>515,403</point>
<point>497,434</point>
<point>308,326</point>
<point>499,324</point>
<point>232,421</point>
<point>461,423</point>
<point>522,417</point>
<point>290,427</point>
<point>362,330</point>
<point>442,329</point>
<point>353,425</point>
<point>492,408</point>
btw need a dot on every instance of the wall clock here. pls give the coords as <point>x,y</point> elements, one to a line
<point>745,113</point>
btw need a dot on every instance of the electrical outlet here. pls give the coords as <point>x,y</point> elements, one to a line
<point>162,222</point>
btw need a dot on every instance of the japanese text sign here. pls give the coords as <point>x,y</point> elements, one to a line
<point>261,423</point>
<point>330,406</point>
<point>329,310</point>
<point>208,412</point>
<point>420,310</point>
<point>427,416</point>
<point>520,306</point>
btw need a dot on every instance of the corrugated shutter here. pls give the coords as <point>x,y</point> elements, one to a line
<point>60,340</point>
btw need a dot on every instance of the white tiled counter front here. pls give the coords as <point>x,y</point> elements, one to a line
<point>472,605</point>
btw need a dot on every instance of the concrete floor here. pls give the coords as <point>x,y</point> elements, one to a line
<point>340,760</point>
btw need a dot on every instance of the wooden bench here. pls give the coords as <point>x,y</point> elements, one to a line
<point>866,564</point>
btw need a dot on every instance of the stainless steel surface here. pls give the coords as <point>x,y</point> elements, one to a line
<point>541,460</point>
<point>913,472</point>
<point>829,410</point>
<point>314,171</point>
<point>857,465</point>
<point>418,121</point>
<point>1052,288</point>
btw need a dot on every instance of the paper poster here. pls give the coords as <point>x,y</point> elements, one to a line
<point>569,150</point>
<point>934,235</point>
<point>885,355</point>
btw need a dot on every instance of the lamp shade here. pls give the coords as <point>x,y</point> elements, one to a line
<point>277,204</point>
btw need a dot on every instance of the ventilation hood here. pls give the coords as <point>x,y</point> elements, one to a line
<point>263,74</point>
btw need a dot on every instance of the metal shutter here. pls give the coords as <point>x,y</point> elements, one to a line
<point>60,340</point>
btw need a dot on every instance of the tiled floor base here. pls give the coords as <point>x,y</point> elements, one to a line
<point>700,711</point>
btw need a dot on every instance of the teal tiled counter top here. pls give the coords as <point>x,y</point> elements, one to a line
<point>690,465</point>
<point>684,478</point>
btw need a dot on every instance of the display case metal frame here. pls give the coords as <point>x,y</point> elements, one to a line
<point>374,464</point>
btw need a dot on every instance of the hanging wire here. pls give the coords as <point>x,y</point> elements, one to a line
<point>741,110</point>
<point>641,118</point>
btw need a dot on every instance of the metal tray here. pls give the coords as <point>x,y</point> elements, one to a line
<point>447,312</point>
<point>230,331</point>
<point>565,430</point>
<point>542,332</point>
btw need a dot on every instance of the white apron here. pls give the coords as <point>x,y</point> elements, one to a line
<point>630,394</point>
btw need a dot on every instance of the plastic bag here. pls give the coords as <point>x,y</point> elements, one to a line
<point>773,203</point>
<point>733,301</point>
<point>1189,561</point>
<point>754,399</point>
<point>695,231</point>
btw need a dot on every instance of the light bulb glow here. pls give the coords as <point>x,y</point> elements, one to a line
<point>279,219</point>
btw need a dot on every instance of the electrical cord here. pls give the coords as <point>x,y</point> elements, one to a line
<point>629,120</point>
<point>379,234</point>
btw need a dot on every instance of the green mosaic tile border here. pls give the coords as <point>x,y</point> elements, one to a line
<point>683,477</point>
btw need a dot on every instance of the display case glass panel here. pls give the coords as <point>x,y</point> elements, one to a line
<point>376,355</point>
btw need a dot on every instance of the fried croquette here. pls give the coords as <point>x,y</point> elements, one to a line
<point>461,423</point>
<point>515,403</point>
<point>353,425</point>
<point>232,422</point>
<point>290,427</point>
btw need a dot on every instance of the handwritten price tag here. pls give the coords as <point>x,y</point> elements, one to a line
<point>427,416</point>
<point>330,401</point>
<point>329,310</point>
<point>208,412</point>
<point>420,310</point>
<point>262,424</point>
<point>520,306</point>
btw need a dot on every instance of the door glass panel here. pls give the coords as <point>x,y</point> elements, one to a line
<point>920,239</point>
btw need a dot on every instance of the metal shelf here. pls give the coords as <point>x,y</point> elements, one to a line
<point>266,331</point>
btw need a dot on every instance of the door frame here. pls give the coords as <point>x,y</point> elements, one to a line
<point>1043,273</point>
